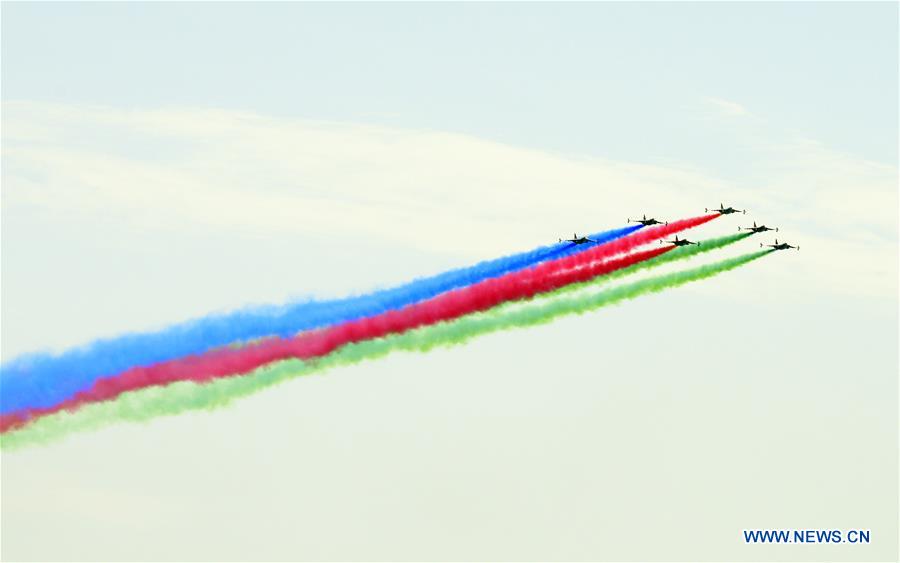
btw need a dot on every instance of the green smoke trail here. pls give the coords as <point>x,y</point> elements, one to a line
<point>179,397</point>
<point>681,253</point>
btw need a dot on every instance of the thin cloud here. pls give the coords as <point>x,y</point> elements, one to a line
<point>727,107</point>
<point>436,191</point>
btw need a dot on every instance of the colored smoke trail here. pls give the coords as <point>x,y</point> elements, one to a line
<point>230,362</point>
<point>149,403</point>
<point>680,253</point>
<point>219,363</point>
<point>43,380</point>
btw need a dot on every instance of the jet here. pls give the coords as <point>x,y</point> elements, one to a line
<point>722,210</point>
<point>647,222</point>
<point>678,241</point>
<point>759,229</point>
<point>577,239</point>
<point>779,246</point>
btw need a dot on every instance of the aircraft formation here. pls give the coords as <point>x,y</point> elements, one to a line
<point>41,390</point>
<point>721,210</point>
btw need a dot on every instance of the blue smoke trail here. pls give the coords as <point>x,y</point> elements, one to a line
<point>43,380</point>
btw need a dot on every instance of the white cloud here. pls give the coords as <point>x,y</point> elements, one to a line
<point>727,107</point>
<point>222,170</point>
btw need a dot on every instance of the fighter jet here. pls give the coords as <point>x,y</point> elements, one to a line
<point>647,222</point>
<point>759,229</point>
<point>577,239</point>
<point>722,210</point>
<point>779,246</point>
<point>678,241</point>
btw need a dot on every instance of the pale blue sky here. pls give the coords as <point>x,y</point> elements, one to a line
<point>162,161</point>
<point>629,75</point>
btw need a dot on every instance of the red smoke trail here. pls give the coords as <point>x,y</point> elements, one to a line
<point>624,244</point>
<point>229,362</point>
<point>478,297</point>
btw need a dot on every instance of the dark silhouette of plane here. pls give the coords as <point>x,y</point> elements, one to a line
<point>678,241</point>
<point>577,239</point>
<point>779,246</point>
<point>647,222</point>
<point>759,229</point>
<point>722,210</point>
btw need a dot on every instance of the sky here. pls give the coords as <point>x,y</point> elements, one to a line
<point>163,161</point>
